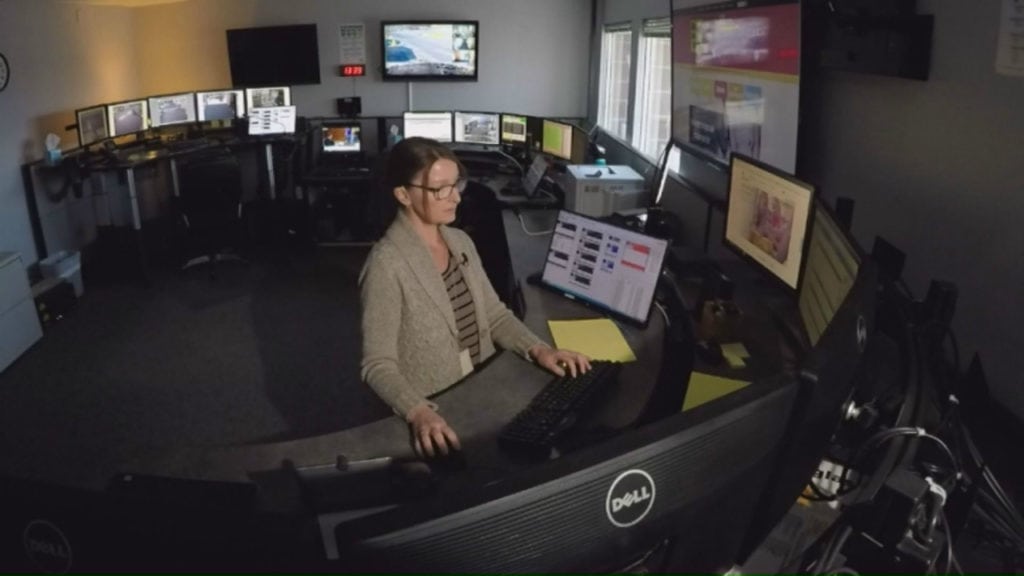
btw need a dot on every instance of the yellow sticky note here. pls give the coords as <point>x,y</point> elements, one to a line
<point>704,388</point>
<point>735,353</point>
<point>599,338</point>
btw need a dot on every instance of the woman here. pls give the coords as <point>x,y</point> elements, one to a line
<point>429,313</point>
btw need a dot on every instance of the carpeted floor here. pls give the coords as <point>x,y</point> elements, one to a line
<point>262,351</point>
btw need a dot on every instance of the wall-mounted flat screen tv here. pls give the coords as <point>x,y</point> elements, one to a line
<point>274,55</point>
<point>430,50</point>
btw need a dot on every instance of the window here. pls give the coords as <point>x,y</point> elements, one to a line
<point>613,93</point>
<point>652,119</point>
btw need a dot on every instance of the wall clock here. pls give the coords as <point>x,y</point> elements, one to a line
<point>5,72</point>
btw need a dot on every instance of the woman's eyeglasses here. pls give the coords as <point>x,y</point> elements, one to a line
<point>442,192</point>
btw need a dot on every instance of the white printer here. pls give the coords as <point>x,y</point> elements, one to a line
<point>599,190</point>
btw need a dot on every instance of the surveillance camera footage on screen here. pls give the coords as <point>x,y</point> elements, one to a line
<point>420,49</point>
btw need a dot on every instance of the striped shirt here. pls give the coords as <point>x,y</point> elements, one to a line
<point>462,305</point>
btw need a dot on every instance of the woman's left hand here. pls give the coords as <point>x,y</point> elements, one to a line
<point>560,361</point>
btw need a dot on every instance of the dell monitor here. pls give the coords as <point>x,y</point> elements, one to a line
<point>767,217</point>
<point>513,129</point>
<point>433,125</point>
<point>128,117</point>
<point>556,139</point>
<point>92,125</point>
<point>833,262</point>
<point>612,269</point>
<point>477,128</point>
<point>220,105</point>
<point>340,138</point>
<point>429,50</point>
<point>267,97</point>
<point>171,109</point>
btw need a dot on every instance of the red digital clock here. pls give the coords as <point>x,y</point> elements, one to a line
<point>352,70</point>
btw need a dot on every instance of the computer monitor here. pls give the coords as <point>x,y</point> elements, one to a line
<point>429,50</point>
<point>513,129</point>
<point>434,125</point>
<point>272,120</point>
<point>220,105</point>
<point>669,162</point>
<point>267,97</point>
<point>340,138</point>
<point>477,128</point>
<point>687,482</point>
<point>833,262</point>
<point>127,117</point>
<point>767,217</point>
<point>611,268</point>
<point>556,139</point>
<point>171,109</point>
<point>92,125</point>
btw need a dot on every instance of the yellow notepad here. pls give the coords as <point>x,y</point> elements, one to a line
<point>706,387</point>
<point>600,339</point>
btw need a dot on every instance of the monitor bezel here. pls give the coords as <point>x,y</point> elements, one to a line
<point>451,124</point>
<point>78,124</point>
<point>526,132</point>
<point>145,117</point>
<point>809,221</point>
<point>390,77</point>
<point>544,149</point>
<point>240,111</point>
<point>341,124</point>
<point>195,109</point>
<point>596,305</point>
<point>480,112</point>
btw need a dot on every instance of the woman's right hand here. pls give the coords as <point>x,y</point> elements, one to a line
<point>430,433</point>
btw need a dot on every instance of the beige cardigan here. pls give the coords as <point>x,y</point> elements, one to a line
<point>410,341</point>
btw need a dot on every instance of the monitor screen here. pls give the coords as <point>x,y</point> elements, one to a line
<point>671,158</point>
<point>274,55</point>
<point>767,217</point>
<point>557,139</point>
<point>580,144</point>
<point>829,274</point>
<point>273,120</point>
<point>534,176</point>
<point>267,97</point>
<point>477,128</point>
<point>429,50</point>
<point>127,117</point>
<point>340,138</point>
<point>434,125</point>
<point>172,109</point>
<point>513,129</point>
<point>92,125</point>
<point>611,268</point>
<point>220,105</point>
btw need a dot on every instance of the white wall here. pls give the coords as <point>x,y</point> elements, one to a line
<point>534,57</point>
<point>533,53</point>
<point>937,168</point>
<point>62,56</point>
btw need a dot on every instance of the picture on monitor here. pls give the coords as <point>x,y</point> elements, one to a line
<point>127,117</point>
<point>340,139</point>
<point>433,125</point>
<point>272,120</point>
<point>767,217</point>
<point>268,97</point>
<point>430,50</point>
<point>92,125</point>
<point>172,109</point>
<point>608,267</point>
<point>477,128</point>
<point>513,129</point>
<point>220,105</point>
<point>556,139</point>
<point>833,262</point>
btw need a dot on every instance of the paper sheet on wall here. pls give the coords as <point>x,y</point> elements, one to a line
<point>353,44</point>
<point>1010,51</point>
<point>600,339</point>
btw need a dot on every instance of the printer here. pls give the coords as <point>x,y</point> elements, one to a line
<point>600,190</point>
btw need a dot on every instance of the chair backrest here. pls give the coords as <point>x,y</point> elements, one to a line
<point>210,185</point>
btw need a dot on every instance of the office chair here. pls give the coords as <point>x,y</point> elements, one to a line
<point>209,207</point>
<point>479,215</point>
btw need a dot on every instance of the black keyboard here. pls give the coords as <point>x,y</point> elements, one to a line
<point>555,409</point>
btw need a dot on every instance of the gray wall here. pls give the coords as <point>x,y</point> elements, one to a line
<point>534,57</point>
<point>936,168</point>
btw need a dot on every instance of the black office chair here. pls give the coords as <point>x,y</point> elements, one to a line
<point>209,206</point>
<point>479,216</point>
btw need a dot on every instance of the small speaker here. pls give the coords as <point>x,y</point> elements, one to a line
<point>350,107</point>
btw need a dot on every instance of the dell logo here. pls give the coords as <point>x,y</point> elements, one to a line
<point>630,498</point>
<point>47,547</point>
